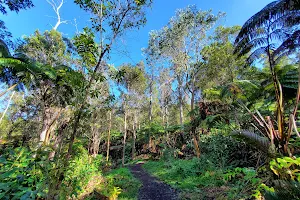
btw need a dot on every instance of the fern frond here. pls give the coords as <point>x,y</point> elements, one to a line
<point>271,12</point>
<point>289,46</point>
<point>260,142</point>
<point>257,54</point>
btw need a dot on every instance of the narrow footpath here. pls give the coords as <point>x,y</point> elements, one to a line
<point>152,188</point>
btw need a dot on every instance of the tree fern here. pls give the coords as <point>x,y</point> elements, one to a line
<point>282,13</point>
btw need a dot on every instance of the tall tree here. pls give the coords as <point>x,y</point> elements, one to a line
<point>180,42</point>
<point>134,81</point>
<point>114,18</point>
<point>50,50</point>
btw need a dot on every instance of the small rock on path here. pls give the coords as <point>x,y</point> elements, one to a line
<point>152,188</point>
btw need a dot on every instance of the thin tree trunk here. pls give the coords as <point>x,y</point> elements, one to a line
<point>164,112</point>
<point>138,122</point>
<point>11,88</point>
<point>8,104</point>
<point>125,134</point>
<point>108,136</point>
<point>81,108</point>
<point>163,115</point>
<point>134,136</point>
<point>181,112</point>
<point>193,130</point>
<point>151,99</point>
<point>196,145</point>
<point>180,98</point>
<point>193,100</point>
<point>94,142</point>
<point>167,116</point>
<point>278,91</point>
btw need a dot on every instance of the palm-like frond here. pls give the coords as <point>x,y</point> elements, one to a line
<point>4,50</point>
<point>260,142</point>
<point>275,22</point>
<point>257,54</point>
<point>271,12</point>
<point>288,46</point>
<point>239,89</point>
<point>286,21</point>
<point>288,77</point>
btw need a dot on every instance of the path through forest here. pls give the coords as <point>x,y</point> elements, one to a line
<point>152,188</point>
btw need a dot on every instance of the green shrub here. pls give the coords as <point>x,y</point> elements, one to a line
<point>25,174</point>
<point>21,175</point>
<point>81,170</point>
<point>244,182</point>
<point>286,184</point>
<point>223,150</point>
<point>120,182</point>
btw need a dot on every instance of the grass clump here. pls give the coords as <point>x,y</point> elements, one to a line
<point>123,183</point>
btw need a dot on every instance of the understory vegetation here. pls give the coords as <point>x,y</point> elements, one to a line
<point>227,169</point>
<point>212,110</point>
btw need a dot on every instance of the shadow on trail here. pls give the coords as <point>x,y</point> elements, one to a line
<point>152,188</point>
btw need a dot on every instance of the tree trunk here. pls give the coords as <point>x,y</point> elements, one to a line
<point>180,98</point>
<point>193,129</point>
<point>79,112</point>
<point>108,137</point>
<point>278,91</point>
<point>138,123</point>
<point>94,142</point>
<point>46,124</point>
<point>58,140</point>
<point>163,116</point>
<point>151,99</point>
<point>124,138</point>
<point>50,116</point>
<point>167,116</point>
<point>192,100</point>
<point>55,185</point>
<point>133,136</point>
<point>196,145</point>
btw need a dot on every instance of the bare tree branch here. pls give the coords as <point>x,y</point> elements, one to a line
<point>56,10</point>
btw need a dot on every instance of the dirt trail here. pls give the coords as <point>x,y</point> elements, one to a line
<point>152,188</point>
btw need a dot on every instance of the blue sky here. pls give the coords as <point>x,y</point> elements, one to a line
<point>42,17</point>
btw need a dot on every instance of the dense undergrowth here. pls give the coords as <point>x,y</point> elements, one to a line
<point>221,174</point>
<point>25,174</point>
